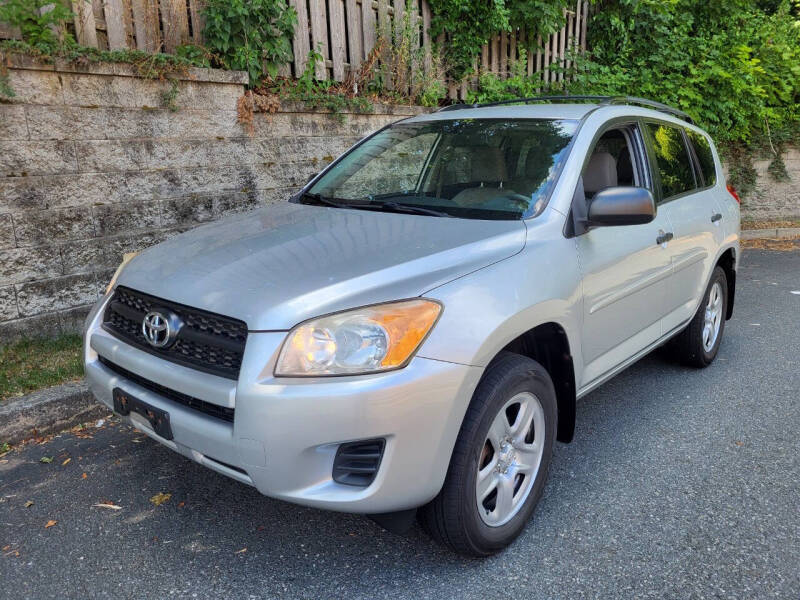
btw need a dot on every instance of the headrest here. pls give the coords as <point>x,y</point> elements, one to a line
<point>600,173</point>
<point>488,164</point>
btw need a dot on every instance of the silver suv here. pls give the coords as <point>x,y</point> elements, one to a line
<point>410,332</point>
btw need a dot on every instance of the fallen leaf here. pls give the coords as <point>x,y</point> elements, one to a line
<point>738,443</point>
<point>181,504</point>
<point>84,476</point>
<point>66,462</point>
<point>50,523</point>
<point>46,459</point>
<point>107,505</point>
<point>29,503</point>
<point>6,547</point>
<point>242,551</point>
<point>160,498</point>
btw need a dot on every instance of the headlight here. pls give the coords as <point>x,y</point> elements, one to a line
<point>126,258</point>
<point>374,338</point>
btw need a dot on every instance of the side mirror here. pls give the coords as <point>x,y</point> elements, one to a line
<point>621,206</point>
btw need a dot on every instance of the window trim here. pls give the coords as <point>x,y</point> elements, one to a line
<point>660,199</point>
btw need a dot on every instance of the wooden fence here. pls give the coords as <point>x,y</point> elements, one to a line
<point>344,31</point>
<point>148,25</point>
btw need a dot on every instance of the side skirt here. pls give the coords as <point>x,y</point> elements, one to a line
<point>597,382</point>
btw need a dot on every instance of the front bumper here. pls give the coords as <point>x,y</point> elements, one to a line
<point>286,431</point>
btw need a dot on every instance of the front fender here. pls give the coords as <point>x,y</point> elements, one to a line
<point>486,310</point>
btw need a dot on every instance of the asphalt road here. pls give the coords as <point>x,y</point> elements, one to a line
<point>679,484</point>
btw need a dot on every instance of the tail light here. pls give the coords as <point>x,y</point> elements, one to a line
<point>732,192</point>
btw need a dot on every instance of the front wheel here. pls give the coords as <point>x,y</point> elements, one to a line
<point>499,464</point>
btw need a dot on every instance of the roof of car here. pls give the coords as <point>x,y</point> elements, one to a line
<point>557,107</point>
<point>512,111</point>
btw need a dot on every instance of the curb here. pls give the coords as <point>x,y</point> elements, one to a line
<point>48,411</point>
<point>771,233</point>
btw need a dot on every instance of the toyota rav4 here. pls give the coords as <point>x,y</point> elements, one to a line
<point>410,332</point>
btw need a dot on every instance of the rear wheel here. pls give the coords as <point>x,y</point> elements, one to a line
<point>698,344</point>
<point>500,461</point>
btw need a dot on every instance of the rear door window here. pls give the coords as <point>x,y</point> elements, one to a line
<point>702,149</point>
<point>672,160</point>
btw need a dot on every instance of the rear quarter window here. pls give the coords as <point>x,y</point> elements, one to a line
<point>672,160</point>
<point>702,149</point>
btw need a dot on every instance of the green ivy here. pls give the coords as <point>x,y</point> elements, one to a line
<point>169,98</point>
<point>469,24</point>
<point>250,35</point>
<point>40,21</point>
<point>777,167</point>
<point>6,91</point>
<point>733,65</point>
<point>197,55</point>
<point>151,66</point>
<point>492,88</point>
<point>318,94</point>
<point>742,174</point>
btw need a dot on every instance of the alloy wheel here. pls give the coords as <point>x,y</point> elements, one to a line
<point>510,459</point>
<point>713,317</point>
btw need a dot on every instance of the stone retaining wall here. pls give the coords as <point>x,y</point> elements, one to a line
<point>92,165</point>
<point>775,200</point>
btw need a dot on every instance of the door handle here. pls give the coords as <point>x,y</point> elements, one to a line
<point>663,238</point>
<point>716,217</point>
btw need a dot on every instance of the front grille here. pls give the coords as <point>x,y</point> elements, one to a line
<point>357,463</point>
<point>207,342</point>
<point>213,410</point>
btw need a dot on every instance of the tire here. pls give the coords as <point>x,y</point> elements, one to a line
<point>691,346</point>
<point>512,384</point>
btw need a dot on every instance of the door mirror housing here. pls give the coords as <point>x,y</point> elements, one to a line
<point>621,206</point>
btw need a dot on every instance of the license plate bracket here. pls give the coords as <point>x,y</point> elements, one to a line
<point>125,404</point>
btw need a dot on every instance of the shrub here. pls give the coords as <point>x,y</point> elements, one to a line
<point>398,64</point>
<point>250,35</point>
<point>733,66</point>
<point>469,24</point>
<point>40,21</point>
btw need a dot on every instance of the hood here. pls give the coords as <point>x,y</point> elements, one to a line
<point>282,264</point>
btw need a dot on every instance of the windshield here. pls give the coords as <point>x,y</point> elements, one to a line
<point>469,168</point>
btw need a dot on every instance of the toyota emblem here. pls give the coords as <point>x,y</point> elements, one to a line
<point>160,328</point>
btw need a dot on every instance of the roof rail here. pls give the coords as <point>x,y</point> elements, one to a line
<point>601,100</point>
<point>458,107</point>
<point>665,108</point>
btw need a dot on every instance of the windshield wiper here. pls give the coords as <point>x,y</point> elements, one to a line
<point>389,206</point>
<point>409,208</point>
<point>325,200</point>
